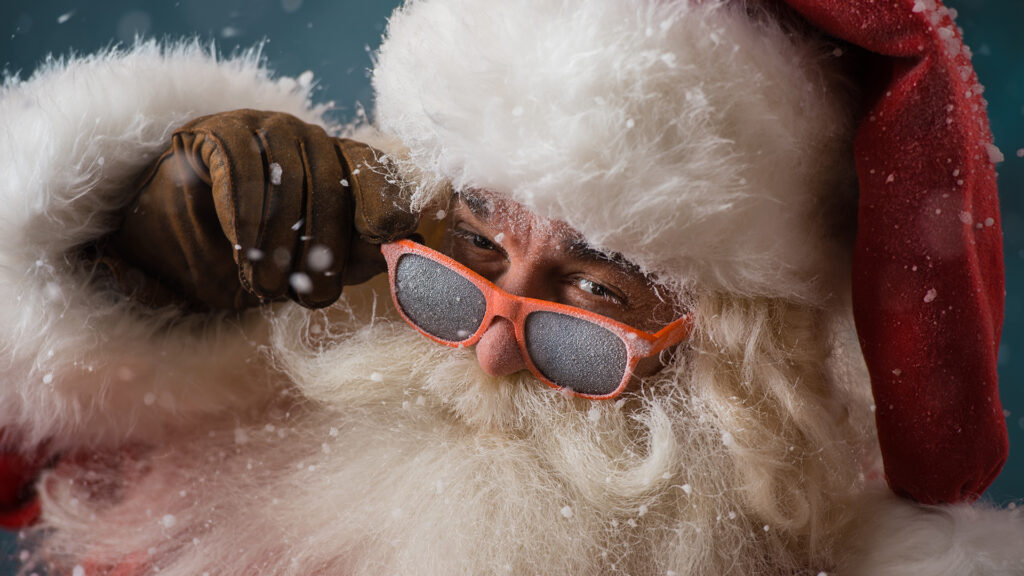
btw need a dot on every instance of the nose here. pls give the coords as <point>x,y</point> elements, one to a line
<point>497,351</point>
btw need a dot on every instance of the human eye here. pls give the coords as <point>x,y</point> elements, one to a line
<point>598,290</point>
<point>478,241</point>
<point>475,249</point>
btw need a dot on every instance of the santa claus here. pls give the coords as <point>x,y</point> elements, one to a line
<point>672,288</point>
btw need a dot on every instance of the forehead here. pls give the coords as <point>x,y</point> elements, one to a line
<point>513,218</point>
<point>520,223</point>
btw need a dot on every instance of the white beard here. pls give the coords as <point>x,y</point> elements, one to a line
<point>394,455</point>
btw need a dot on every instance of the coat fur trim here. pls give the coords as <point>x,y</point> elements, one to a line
<point>895,537</point>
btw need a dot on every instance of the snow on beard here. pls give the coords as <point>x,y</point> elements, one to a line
<point>396,455</point>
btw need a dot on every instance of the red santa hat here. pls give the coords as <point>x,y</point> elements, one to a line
<point>715,144</point>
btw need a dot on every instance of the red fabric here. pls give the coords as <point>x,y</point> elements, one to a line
<point>19,506</point>
<point>928,262</point>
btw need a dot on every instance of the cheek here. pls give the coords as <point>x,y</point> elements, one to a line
<point>653,313</point>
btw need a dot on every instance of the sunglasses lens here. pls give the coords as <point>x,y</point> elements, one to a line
<point>437,299</point>
<point>575,354</point>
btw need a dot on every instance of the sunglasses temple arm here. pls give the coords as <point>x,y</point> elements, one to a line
<point>671,335</point>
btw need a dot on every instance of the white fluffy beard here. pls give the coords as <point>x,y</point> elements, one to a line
<point>397,456</point>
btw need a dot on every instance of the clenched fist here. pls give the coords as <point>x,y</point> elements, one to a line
<point>246,207</point>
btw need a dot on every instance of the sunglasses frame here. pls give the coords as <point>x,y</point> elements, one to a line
<point>500,304</point>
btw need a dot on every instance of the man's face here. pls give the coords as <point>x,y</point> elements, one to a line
<point>527,256</point>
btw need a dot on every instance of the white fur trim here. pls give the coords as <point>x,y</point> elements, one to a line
<point>896,537</point>
<point>80,366</point>
<point>701,142</point>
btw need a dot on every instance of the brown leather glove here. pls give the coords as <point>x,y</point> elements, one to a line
<point>247,207</point>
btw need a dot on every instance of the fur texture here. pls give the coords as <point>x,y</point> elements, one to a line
<point>704,144</point>
<point>894,537</point>
<point>80,365</point>
<point>727,463</point>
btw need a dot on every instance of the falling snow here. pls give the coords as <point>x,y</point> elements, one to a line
<point>566,511</point>
<point>930,295</point>
<point>320,258</point>
<point>275,173</point>
<point>65,17</point>
<point>301,283</point>
<point>728,440</point>
<point>994,155</point>
<point>168,521</point>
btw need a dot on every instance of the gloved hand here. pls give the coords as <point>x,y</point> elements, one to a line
<point>247,207</point>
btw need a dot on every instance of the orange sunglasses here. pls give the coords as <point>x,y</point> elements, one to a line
<point>568,348</point>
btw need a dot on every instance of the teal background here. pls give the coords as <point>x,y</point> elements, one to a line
<point>334,40</point>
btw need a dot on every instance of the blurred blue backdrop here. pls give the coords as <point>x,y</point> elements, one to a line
<point>334,39</point>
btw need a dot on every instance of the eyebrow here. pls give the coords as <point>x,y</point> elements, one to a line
<point>579,248</point>
<point>575,245</point>
<point>480,207</point>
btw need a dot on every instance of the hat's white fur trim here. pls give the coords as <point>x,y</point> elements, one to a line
<point>700,140</point>
<point>81,366</point>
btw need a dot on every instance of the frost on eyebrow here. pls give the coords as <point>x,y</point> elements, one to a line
<point>500,213</point>
<point>578,247</point>
<point>478,205</point>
